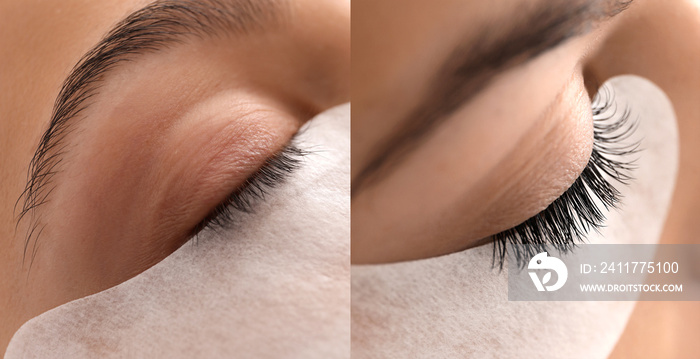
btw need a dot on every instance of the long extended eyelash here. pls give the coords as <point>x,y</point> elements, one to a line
<point>273,173</point>
<point>572,216</point>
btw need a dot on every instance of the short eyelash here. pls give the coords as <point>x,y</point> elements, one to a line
<point>273,173</point>
<point>571,217</point>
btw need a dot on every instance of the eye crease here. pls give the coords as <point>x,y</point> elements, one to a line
<point>151,29</point>
<point>134,127</point>
<point>275,171</point>
<point>472,66</point>
<point>566,221</point>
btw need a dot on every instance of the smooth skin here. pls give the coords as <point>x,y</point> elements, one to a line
<point>169,136</point>
<point>520,143</point>
<point>664,36</point>
<point>483,170</point>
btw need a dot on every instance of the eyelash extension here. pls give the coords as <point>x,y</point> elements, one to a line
<point>575,213</point>
<point>273,173</point>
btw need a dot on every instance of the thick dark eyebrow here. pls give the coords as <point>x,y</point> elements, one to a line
<point>474,64</point>
<point>150,29</point>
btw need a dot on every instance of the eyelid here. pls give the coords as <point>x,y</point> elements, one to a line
<point>275,171</point>
<point>576,212</point>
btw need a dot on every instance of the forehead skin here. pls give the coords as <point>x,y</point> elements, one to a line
<point>427,203</point>
<point>391,71</point>
<point>654,41</point>
<point>394,73</point>
<point>39,44</point>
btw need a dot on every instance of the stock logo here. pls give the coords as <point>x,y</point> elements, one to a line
<point>542,261</point>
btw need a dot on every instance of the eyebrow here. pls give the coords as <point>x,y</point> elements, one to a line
<point>150,29</point>
<point>475,63</point>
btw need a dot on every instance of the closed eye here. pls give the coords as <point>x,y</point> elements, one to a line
<point>275,171</point>
<point>580,209</point>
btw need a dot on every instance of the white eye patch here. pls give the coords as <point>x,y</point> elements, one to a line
<point>275,286</point>
<point>456,306</point>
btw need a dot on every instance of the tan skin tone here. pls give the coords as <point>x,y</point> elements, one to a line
<point>488,190</point>
<point>167,139</point>
<point>407,214</point>
<point>667,27</point>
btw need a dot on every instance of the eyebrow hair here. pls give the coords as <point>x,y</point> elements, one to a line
<point>150,29</point>
<point>474,64</point>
